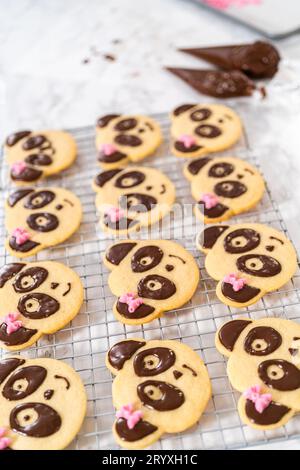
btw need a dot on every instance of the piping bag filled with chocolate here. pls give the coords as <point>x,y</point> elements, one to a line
<point>257,60</point>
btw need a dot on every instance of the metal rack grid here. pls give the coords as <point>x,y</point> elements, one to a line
<point>83,344</point>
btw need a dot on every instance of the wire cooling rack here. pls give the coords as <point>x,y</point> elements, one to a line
<point>84,343</point>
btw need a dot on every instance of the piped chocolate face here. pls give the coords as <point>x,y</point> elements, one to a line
<point>264,352</point>
<point>165,379</point>
<point>154,270</point>
<point>49,215</point>
<point>255,253</point>
<point>43,306</point>
<point>144,195</point>
<point>234,183</point>
<point>36,405</point>
<point>120,139</point>
<point>42,154</point>
<point>200,129</point>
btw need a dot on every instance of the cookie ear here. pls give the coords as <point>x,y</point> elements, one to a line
<point>105,176</point>
<point>105,120</point>
<point>194,167</point>
<point>182,109</point>
<point>121,352</point>
<point>229,333</point>
<point>8,271</point>
<point>16,196</point>
<point>7,366</point>
<point>116,253</point>
<point>208,237</point>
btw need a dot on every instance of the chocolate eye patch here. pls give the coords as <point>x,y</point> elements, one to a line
<point>153,361</point>
<point>39,199</point>
<point>36,306</point>
<point>146,258</point>
<point>23,382</point>
<point>130,179</point>
<point>30,279</point>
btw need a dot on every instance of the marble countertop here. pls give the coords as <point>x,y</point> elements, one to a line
<point>64,63</point>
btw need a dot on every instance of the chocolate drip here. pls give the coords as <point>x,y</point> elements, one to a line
<point>13,139</point>
<point>195,166</point>
<point>279,374</point>
<point>122,351</point>
<point>269,266</point>
<point>8,365</point>
<point>117,253</point>
<point>30,279</point>
<point>8,271</point>
<point>28,174</point>
<point>210,235</point>
<point>16,196</point>
<point>208,131</point>
<point>128,140</point>
<point>230,332</point>
<point>153,361</point>
<point>170,397</point>
<point>112,158</point>
<point>271,415</point>
<point>137,202</point>
<point>141,429</point>
<point>141,312</point>
<point>21,336</point>
<point>40,159</point>
<point>146,258</point>
<point>126,125</point>
<point>48,421</point>
<point>262,340</point>
<point>219,170</point>
<point>39,199</point>
<point>36,306</point>
<point>241,240</point>
<point>257,60</point>
<point>216,83</point>
<point>42,222</point>
<point>24,247</point>
<point>104,120</point>
<point>156,287</point>
<point>214,212</point>
<point>241,296</point>
<point>130,179</point>
<point>182,109</point>
<point>182,148</point>
<point>105,176</point>
<point>33,376</point>
<point>230,189</point>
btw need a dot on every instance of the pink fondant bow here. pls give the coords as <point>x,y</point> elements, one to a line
<point>261,400</point>
<point>21,235</point>
<point>4,441</point>
<point>132,300</point>
<point>209,200</point>
<point>108,149</point>
<point>115,213</point>
<point>237,282</point>
<point>12,324</point>
<point>187,140</point>
<point>18,167</point>
<point>132,417</point>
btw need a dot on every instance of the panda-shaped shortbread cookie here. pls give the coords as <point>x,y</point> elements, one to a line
<point>199,129</point>
<point>162,385</point>
<point>248,261</point>
<point>223,187</point>
<point>121,139</point>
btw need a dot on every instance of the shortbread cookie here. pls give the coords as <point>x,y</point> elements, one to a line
<point>249,260</point>
<point>264,361</point>
<point>36,298</point>
<point>128,199</point>
<point>121,139</point>
<point>160,387</point>
<point>38,218</point>
<point>36,155</point>
<point>199,129</point>
<point>42,404</point>
<point>149,277</point>
<point>223,187</point>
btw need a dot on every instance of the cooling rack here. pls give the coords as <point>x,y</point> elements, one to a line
<point>84,343</point>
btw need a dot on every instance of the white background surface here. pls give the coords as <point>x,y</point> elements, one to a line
<point>44,82</point>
